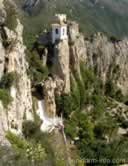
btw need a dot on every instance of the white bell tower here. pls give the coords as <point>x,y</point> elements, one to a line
<point>59,28</point>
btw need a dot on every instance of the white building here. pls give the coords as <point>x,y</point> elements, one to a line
<point>59,28</point>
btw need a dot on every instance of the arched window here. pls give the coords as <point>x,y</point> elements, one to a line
<point>63,31</point>
<point>57,31</point>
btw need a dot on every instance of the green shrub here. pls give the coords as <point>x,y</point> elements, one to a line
<point>113,91</point>
<point>124,124</point>
<point>36,71</point>
<point>29,128</point>
<point>81,89</point>
<point>11,19</point>
<point>114,39</point>
<point>85,127</point>
<point>99,106</point>
<point>95,129</point>
<point>119,96</point>
<point>5,97</point>
<point>8,80</point>
<point>70,129</point>
<point>26,150</point>
<point>66,104</point>
<point>16,141</point>
<point>100,149</point>
<point>38,76</point>
<point>37,119</point>
<point>87,75</point>
<point>106,126</point>
<point>33,134</point>
<point>109,88</point>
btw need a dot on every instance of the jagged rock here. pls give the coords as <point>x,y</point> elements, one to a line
<point>49,98</point>
<point>22,101</point>
<point>78,50</point>
<point>110,59</point>
<point>3,125</point>
<point>2,15</point>
<point>1,4</point>
<point>61,63</point>
<point>44,57</point>
<point>108,56</point>
<point>52,86</point>
<point>2,58</point>
<point>11,118</point>
<point>73,31</point>
<point>118,110</point>
<point>59,86</point>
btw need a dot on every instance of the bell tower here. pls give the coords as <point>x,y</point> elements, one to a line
<point>59,28</point>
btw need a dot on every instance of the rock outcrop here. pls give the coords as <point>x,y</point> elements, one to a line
<point>22,99</point>
<point>77,47</point>
<point>52,87</point>
<point>2,58</point>
<point>107,56</point>
<point>61,61</point>
<point>12,60</point>
<point>109,59</point>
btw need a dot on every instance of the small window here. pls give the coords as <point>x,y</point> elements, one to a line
<point>57,31</point>
<point>63,31</point>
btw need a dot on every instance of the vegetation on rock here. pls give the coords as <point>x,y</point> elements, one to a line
<point>5,97</point>
<point>11,18</point>
<point>91,17</point>
<point>6,82</point>
<point>24,150</point>
<point>36,70</point>
<point>88,123</point>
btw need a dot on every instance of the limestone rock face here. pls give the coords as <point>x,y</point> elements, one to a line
<point>61,66</point>
<point>12,59</point>
<point>68,54</point>
<point>52,86</point>
<point>108,56</point>
<point>118,110</point>
<point>21,93</point>
<point>73,29</point>
<point>2,15</point>
<point>1,4</point>
<point>3,125</point>
<point>110,59</point>
<point>78,50</point>
<point>2,58</point>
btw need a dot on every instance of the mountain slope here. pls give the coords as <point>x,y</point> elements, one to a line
<point>75,90</point>
<point>93,15</point>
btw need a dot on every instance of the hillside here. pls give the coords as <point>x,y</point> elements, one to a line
<point>64,102</point>
<point>108,16</point>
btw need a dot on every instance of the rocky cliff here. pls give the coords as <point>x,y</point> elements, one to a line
<point>106,57</point>
<point>13,60</point>
<point>109,56</point>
